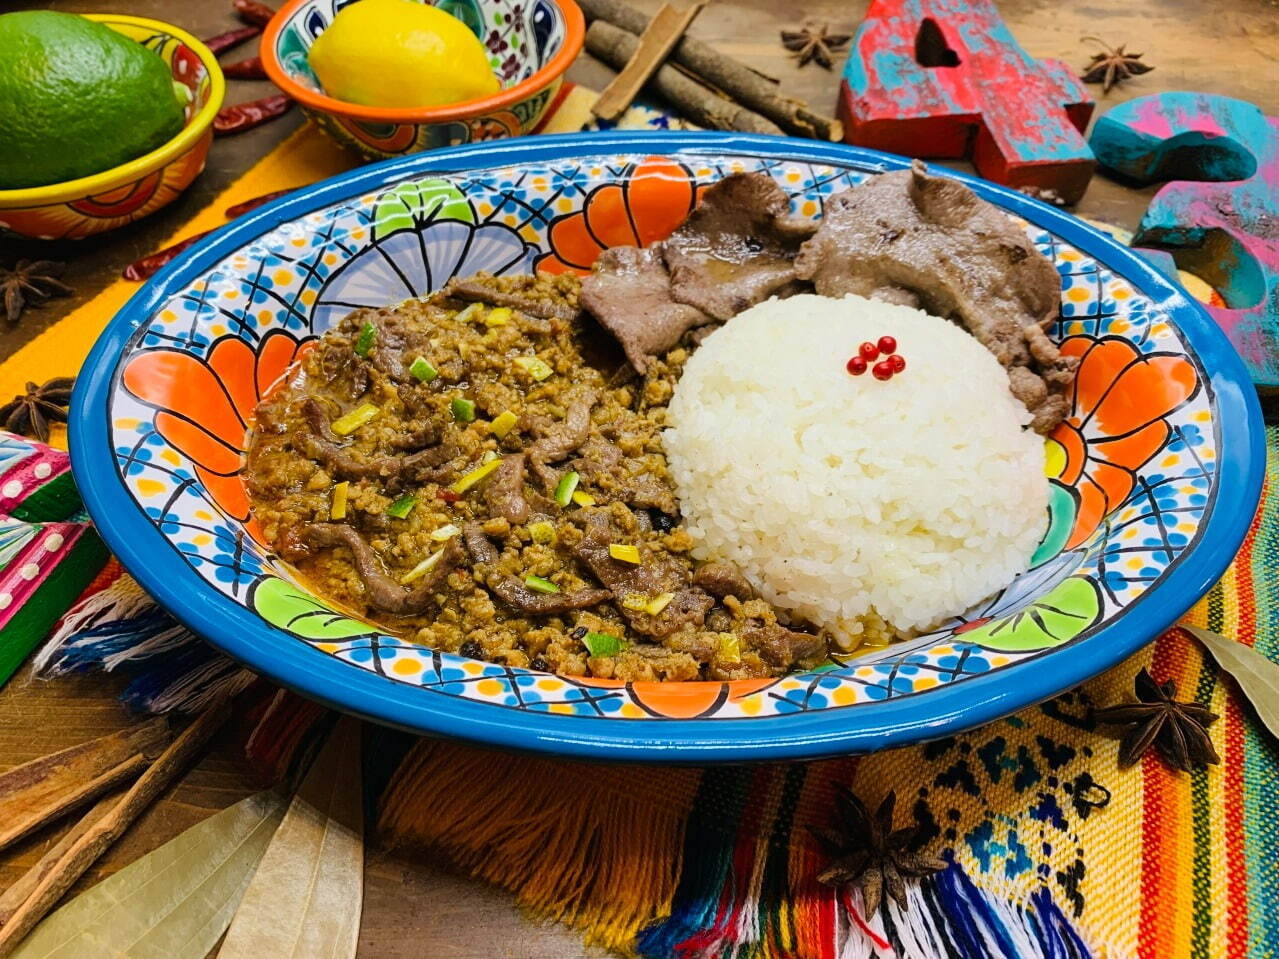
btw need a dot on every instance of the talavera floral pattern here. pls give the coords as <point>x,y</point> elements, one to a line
<point>1133,469</point>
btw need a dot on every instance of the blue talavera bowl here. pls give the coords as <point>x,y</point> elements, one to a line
<point>1155,475</point>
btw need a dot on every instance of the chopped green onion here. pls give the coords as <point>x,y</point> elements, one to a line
<point>470,313</point>
<point>503,423</point>
<point>463,409</point>
<point>445,532</point>
<point>540,585</point>
<point>423,370</point>
<point>624,552</point>
<point>352,421</point>
<point>498,317</point>
<point>730,648</point>
<point>488,457</point>
<point>658,603</point>
<point>636,602</point>
<point>402,506</point>
<point>337,509</point>
<point>534,367</point>
<point>602,644</point>
<point>422,568</point>
<point>583,498</point>
<point>473,477</point>
<point>542,532</point>
<point>364,342</point>
<point>565,487</point>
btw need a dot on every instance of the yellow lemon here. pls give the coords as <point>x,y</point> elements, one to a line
<point>399,53</point>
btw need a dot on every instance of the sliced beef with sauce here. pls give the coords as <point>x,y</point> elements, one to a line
<point>655,575</point>
<point>561,440</point>
<point>340,369</point>
<point>318,441</point>
<point>540,295</point>
<point>784,647</point>
<point>381,591</point>
<point>721,579</point>
<point>737,248</point>
<point>504,492</point>
<point>629,293</point>
<point>520,597</point>
<point>907,237</point>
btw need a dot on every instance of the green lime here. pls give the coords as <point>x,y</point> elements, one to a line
<point>77,98</point>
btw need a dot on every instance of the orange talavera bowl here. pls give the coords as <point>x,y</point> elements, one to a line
<point>132,190</point>
<point>530,45</point>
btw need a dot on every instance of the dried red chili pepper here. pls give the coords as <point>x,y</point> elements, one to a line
<point>246,206</point>
<point>250,69</point>
<point>250,11</point>
<point>245,116</point>
<point>148,266</point>
<point>232,38</point>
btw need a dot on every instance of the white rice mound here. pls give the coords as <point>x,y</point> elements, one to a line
<point>848,500</point>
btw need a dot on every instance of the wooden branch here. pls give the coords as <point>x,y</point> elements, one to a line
<point>95,840</point>
<point>662,33</point>
<point>615,47</point>
<point>738,81</point>
<point>44,789</point>
<point>17,894</point>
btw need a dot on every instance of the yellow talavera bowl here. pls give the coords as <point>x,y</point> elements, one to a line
<point>92,204</point>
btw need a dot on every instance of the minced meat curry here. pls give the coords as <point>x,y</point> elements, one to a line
<point>460,471</point>
<point>454,470</point>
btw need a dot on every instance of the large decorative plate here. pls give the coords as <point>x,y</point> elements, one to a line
<point>1155,476</point>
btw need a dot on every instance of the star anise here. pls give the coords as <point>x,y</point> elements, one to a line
<point>30,413</point>
<point>1113,65</point>
<point>812,42</point>
<point>867,851</point>
<point>1178,730</point>
<point>34,280</point>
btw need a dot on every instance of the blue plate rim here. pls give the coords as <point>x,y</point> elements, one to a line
<point>943,711</point>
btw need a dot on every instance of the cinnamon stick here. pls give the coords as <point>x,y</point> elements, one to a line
<point>662,33</point>
<point>17,894</point>
<point>742,84</point>
<point>40,791</point>
<point>615,47</point>
<point>95,840</point>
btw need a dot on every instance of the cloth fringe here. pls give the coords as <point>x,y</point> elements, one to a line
<point>115,622</point>
<point>570,840</point>
<point>185,682</point>
<point>289,728</point>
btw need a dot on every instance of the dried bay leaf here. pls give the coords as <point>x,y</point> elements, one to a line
<point>1256,676</point>
<point>305,898</point>
<point>173,903</point>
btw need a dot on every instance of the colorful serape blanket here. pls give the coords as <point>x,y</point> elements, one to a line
<point>1052,849</point>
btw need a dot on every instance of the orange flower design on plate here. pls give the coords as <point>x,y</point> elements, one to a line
<point>1120,402</point>
<point>682,700</point>
<point>204,407</point>
<point>644,208</point>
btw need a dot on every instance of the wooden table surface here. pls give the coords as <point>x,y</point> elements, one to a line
<point>418,908</point>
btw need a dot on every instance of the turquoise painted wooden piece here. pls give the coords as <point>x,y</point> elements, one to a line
<point>1219,216</point>
<point>947,79</point>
